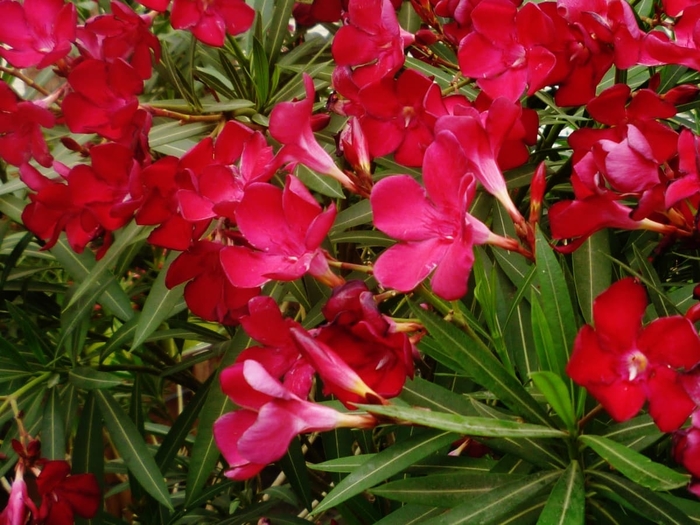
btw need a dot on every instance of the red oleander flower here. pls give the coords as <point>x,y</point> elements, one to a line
<point>623,364</point>
<point>211,20</point>
<point>209,294</point>
<point>21,137</point>
<point>63,496</point>
<point>36,33</point>
<point>121,34</point>
<point>435,231</point>
<point>366,340</point>
<point>272,415</point>
<point>285,229</point>
<point>104,98</point>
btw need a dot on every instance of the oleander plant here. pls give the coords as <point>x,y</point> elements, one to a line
<point>349,262</point>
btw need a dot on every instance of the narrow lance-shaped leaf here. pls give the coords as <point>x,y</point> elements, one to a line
<point>158,305</point>
<point>557,395</point>
<point>294,466</point>
<point>592,271</point>
<point>495,504</point>
<point>385,464</point>
<point>566,504</point>
<point>132,448</point>
<point>53,435</point>
<point>482,367</point>
<point>634,465</point>
<point>467,425</point>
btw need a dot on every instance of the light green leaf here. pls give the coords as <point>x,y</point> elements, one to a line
<point>497,503</point>
<point>566,504</point>
<point>158,305</point>
<point>557,395</point>
<point>466,425</point>
<point>636,498</point>
<point>277,31</point>
<point>592,271</point>
<point>441,490</point>
<point>482,367</point>
<point>636,466</point>
<point>356,215</point>
<point>88,378</point>
<point>384,465</point>
<point>323,184</point>
<point>132,448</point>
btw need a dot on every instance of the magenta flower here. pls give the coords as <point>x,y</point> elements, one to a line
<point>290,124</point>
<point>20,504</point>
<point>21,137</point>
<point>271,415</point>
<point>623,364</point>
<point>37,32</point>
<point>372,42</point>
<point>435,231</point>
<point>285,229</point>
<point>210,20</point>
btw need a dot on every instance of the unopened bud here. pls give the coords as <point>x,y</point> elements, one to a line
<point>537,188</point>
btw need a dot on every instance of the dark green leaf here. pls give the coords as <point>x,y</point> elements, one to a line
<point>592,271</point>
<point>53,434</point>
<point>294,466</point>
<point>132,448</point>
<point>384,465</point>
<point>566,504</point>
<point>88,378</point>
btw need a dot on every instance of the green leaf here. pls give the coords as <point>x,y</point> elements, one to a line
<point>638,499</point>
<point>53,433</point>
<point>664,306</point>
<point>277,31</point>
<point>384,465</point>
<point>557,395</point>
<point>294,467</point>
<point>178,433</point>
<point>592,271</point>
<point>566,504</point>
<point>636,466</point>
<point>322,184</point>
<point>10,371</point>
<point>77,317</point>
<point>497,503</point>
<point>88,449</point>
<point>205,453</point>
<point>555,302</point>
<point>260,70</point>
<point>100,271</point>
<point>158,305</point>
<point>466,425</point>
<point>81,266</point>
<point>132,448</point>
<point>88,378</point>
<point>356,215</point>
<point>409,515</point>
<point>441,490</point>
<point>482,367</point>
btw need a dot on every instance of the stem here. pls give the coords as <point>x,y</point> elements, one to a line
<point>24,78</point>
<point>11,399</point>
<point>184,117</point>
<point>349,266</point>
<point>588,417</point>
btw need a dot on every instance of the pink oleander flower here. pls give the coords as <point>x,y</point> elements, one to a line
<point>372,42</point>
<point>435,231</point>
<point>239,157</point>
<point>19,505</point>
<point>21,137</point>
<point>36,33</point>
<point>209,294</point>
<point>290,124</point>
<point>104,99</point>
<point>686,451</point>
<point>121,34</point>
<point>211,20</point>
<point>285,229</point>
<point>623,364</point>
<point>271,414</point>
